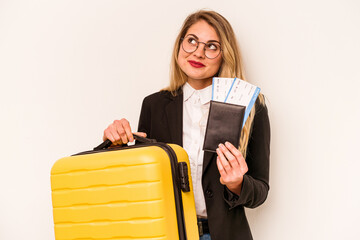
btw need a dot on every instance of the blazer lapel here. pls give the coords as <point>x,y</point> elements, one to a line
<point>174,113</point>
<point>208,157</point>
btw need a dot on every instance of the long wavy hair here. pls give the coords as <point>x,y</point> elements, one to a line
<point>231,67</point>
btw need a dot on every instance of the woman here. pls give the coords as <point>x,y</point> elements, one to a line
<point>233,178</point>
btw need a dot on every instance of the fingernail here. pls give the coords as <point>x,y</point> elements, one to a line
<point>221,146</point>
<point>217,150</point>
<point>227,144</point>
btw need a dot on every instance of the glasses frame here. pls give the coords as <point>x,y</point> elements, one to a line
<point>197,46</point>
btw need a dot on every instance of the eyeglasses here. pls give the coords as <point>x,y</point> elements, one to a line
<point>190,44</point>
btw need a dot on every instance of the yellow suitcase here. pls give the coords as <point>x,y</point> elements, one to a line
<point>138,192</point>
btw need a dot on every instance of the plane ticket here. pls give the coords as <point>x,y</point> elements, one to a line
<point>235,91</point>
<point>220,88</point>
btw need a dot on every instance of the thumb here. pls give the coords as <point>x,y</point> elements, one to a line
<point>221,181</point>
<point>141,134</point>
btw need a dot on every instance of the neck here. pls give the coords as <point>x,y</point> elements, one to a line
<point>198,84</point>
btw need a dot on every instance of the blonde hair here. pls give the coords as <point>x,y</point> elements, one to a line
<point>231,67</point>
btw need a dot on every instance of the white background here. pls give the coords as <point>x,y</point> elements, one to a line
<point>69,68</point>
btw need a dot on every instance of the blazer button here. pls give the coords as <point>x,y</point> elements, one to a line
<point>209,193</point>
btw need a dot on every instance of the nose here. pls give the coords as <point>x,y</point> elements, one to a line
<point>200,51</point>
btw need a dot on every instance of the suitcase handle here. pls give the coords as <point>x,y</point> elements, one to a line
<point>107,143</point>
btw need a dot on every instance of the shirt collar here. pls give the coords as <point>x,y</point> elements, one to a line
<point>205,93</point>
<point>188,91</point>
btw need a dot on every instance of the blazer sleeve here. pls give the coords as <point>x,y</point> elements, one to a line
<point>145,117</point>
<point>255,185</point>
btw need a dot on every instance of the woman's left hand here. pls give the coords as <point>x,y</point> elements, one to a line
<point>232,167</point>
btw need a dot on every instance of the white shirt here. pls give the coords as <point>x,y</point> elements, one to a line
<point>195,114</point>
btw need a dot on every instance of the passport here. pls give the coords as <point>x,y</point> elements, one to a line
<point>224,123</point>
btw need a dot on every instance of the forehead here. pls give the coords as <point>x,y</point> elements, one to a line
<point>203,31</point>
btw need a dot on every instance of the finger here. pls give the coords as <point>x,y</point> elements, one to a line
<point>236,153</point>
<point>220,167</point>
<point>222,181</point>
<point>233,150</point>
<point>107,135</point>
<point>127,128</point>
<point>111,134</point>
<point>120,131</point>
<point>114,134</point>
<point>230,157</point>
<point>141,134</point>
<point>116,137</point>
<point>221,170</point>
<point>123,136</point>
<point>223,161</point>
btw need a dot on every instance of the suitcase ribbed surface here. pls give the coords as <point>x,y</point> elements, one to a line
<point>126,194</point>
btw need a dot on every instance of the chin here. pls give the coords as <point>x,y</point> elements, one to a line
<point>197,76</point>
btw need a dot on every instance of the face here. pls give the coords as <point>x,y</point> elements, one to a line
<point>196,65</point>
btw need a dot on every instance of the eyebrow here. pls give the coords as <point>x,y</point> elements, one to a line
<point>198,38</point>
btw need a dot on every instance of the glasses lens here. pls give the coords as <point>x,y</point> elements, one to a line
<point>212,50</point>
<point>189,44</point>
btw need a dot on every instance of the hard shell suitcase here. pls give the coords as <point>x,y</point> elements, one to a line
<point>138,192</point>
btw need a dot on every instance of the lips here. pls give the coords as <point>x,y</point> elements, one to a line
<point>196,64</point>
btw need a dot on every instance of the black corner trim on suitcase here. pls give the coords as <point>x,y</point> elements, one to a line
<point>176,179</point>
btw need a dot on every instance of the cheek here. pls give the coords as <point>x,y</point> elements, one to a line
<point>182,59</point>
<point>217,64</point>
<point>182,55</point>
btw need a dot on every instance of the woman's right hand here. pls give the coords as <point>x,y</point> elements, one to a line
<point>119,132</point>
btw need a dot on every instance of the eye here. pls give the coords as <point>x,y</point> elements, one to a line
<point>192,41</point>
<point>212,46</point>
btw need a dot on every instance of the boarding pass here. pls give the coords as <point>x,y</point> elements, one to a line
<point>235,91</point>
